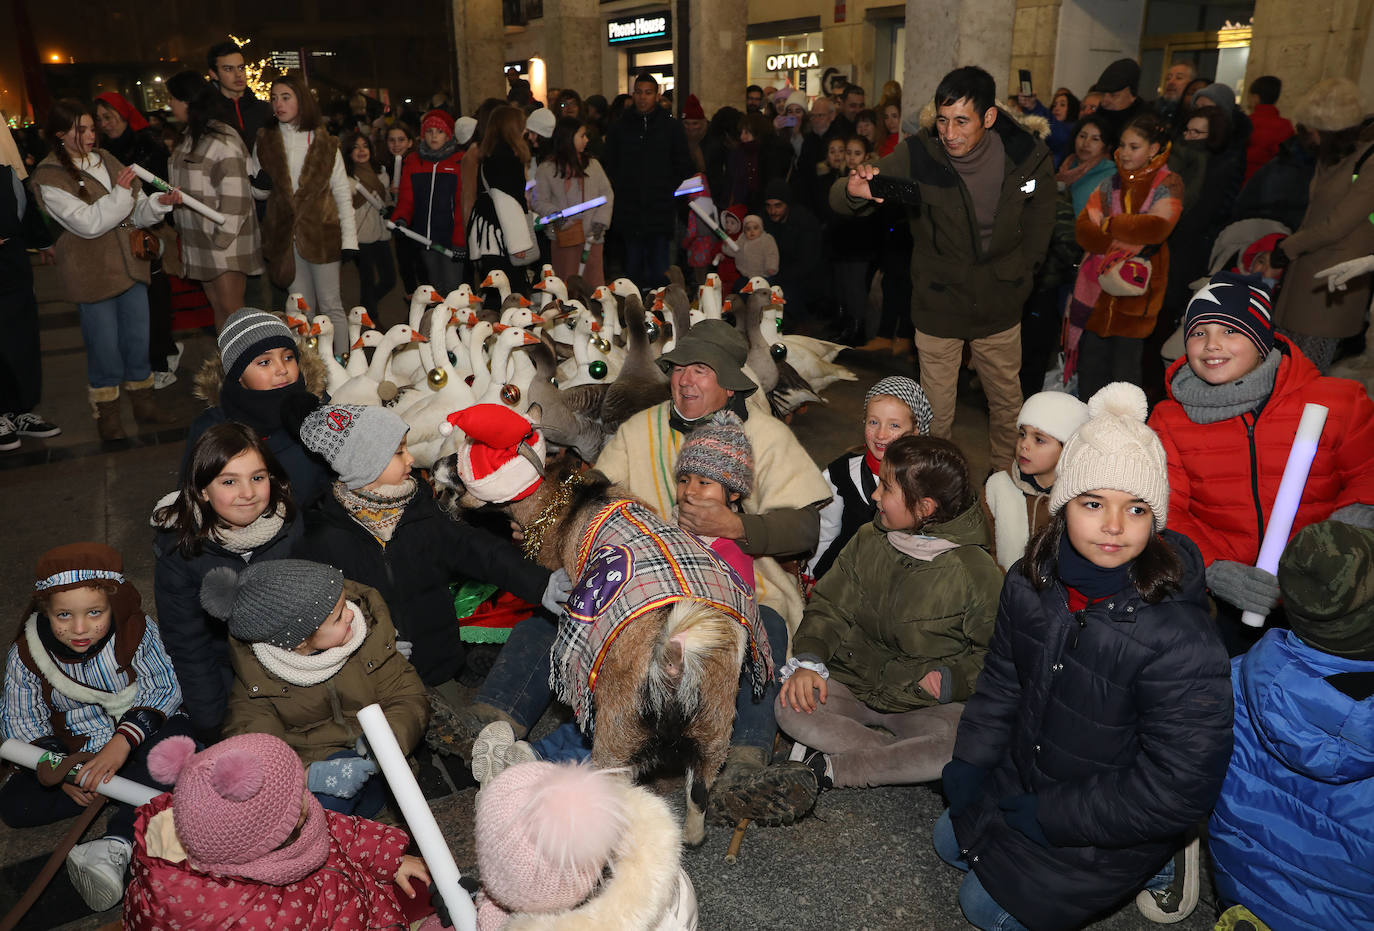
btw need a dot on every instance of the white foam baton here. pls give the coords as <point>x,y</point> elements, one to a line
<point>369,196</point>
<point>572,211</point>
<point>147,177</point>
<point>118,788</point>
<point>1289,496</point>
<point>423,240</point>
<point>712,225</point>
<point>423,828</point>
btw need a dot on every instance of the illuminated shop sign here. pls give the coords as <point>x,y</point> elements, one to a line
<point>653,26</point>
<point>791,61</point>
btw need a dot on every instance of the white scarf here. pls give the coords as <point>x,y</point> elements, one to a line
<point>116,704</point>
<point>304,671</point>
<point>246,539</point>
<point>919,546</point>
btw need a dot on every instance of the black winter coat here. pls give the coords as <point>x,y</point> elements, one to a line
<point>427,551</point>
<point>646,159</point>
<point>1117,718</point>
<point>197,643</point>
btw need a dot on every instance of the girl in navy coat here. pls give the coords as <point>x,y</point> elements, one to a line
<point>1099,730</point>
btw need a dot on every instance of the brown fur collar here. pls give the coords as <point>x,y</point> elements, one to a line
<point>210,377</point>
<point>306,216</point>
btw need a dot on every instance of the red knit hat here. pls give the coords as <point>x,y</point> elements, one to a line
<point>437,118</point>
<point>691,109</point>
<point>493,461</point>
<point>116,102</point>
<point>1263,244</point>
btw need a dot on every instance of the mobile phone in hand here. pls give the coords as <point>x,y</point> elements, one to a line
<point>895,189</point>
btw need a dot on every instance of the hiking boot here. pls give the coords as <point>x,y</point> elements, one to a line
<point>1176,901</point>
<point>770,795</point>
<point>452,731</point>
<point>96,868</point>
<point>9,436</point>
<point>146,409</point>
<point>30,424</point>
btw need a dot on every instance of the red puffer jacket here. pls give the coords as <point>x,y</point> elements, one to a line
<point>1223,476</point>
<point>353,889</point>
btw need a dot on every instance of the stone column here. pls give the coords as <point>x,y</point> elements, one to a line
<point>1035,34</point>
<point>942,35</point>
<point>715,42</point>
<point>479,41</point>
<point>572,50</point>
<point>1300,46</point>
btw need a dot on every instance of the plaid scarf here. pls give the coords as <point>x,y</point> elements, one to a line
<point>631,562</point>
<point>377,511</point>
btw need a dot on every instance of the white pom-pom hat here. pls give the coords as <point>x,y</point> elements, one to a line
<point>1115,449</point>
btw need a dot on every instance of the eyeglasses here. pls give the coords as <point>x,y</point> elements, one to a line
<point>1195,134</point>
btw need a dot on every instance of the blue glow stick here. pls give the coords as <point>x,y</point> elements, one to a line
<point>572,211</point>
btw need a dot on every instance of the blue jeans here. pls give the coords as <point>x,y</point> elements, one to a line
<point>115,332</point>
<point>369,800</point>
<point>566,742</point>
<point>518,683</point>
<point>646,260</point>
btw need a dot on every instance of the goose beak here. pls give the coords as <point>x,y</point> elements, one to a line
<point>539,285</point>
<point>658,303</point>
<point>500,327</point>
<point>315,330</point>
<point>530,340</point>
<point>596,327</point>
<point>524,301</point>
<point>418,337</point>
<point>358,344</point>
<point>748,288</point>
<point>777,299</point>
<point>474,301</point>
<point>296,323</point>
<point>367,321</point>
<point>536,318</point>
<point>301,304</point>
<point>596,295</point>
<point>487,283</point>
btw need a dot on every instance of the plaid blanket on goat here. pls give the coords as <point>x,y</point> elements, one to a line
<point>631,562</point>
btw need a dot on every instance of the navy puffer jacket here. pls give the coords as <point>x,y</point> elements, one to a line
<point>1117,718</point>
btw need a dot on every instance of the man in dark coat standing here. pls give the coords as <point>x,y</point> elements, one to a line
<point>800,263</point>
<point>646,159</point>
<point>236,106</point>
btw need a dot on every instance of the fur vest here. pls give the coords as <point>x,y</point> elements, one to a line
<point>97,269</point>
<point>305,216</point>
<point>1014,512</point>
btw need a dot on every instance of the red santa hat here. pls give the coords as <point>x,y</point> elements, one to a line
<point>501,460</point>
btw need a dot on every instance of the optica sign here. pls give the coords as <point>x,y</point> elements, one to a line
<point>793,60</point>
<point>653,26</point>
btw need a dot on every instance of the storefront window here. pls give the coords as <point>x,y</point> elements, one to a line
<point>796,61</point>
<point>659,63</point>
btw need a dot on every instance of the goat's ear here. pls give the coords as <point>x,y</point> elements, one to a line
<point>535,413</point>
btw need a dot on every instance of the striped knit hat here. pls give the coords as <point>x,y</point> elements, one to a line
<point>247,334</point>
<point>719,450</point>
<point>1237,301</point>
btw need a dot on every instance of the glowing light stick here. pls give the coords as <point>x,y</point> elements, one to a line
<point>712,225</point>
<point>572,211</point>
<point>693,185</point>
<point>118,788</point>
<point>423,828</point>
<point>425,241</point>
<point>1289,495</point>
<point>147,177</point>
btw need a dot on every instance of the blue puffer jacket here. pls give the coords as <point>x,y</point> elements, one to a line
<point>1116,719</point>
<point>1292,836</point>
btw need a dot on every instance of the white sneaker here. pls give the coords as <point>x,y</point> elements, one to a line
<point>489,751</point>
<point>96,868</point>
<point>175,358</point>
<point>163,379</point>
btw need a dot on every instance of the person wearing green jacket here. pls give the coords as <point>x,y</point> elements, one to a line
<point>895,633</point>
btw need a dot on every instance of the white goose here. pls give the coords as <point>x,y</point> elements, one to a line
<point>364,389</point>
<point>821,347</point>
<point>322,329</point>
<point>449,392</point>
<point>590,364</point>
<point>462,297</point>
<point>357,361</point>
<point>551,288</point>
<point>497,279</point>
<point>478,362</point>
<point>710,297</point>
<point>505,388</point>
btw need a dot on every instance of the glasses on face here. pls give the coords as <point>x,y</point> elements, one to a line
<point>1195,134</point>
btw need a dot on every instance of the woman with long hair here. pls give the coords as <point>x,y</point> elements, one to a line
<point>502,158</point>
<point>309,227</point>
<point>568,176</point>
<point>102,259</point>
<point>210,162</point>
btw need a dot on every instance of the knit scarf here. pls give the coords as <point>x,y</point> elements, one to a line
<point>439,154</point>
<point>1208,404</point>
<point>1133,181</point>
<point>1072,169</point>
<point>1091,580</point>
<point>286,865</point>
<point>983,171</point>
<point>260,410</point>
<point>243,540</point>
<point>378,511</point>
<point>115,704</point>
<point>918,545</point>
<point>305,671</point>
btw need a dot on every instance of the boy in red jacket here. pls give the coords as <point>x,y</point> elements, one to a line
<point>430,197</point>
<point>1234,402</point>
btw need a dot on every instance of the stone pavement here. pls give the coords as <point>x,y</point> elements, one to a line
<point>863,860</point>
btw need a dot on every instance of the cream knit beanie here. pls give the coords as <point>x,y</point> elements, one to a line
<point>1116,450</point>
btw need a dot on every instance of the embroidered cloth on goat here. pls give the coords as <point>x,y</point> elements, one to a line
<point>631,562</point>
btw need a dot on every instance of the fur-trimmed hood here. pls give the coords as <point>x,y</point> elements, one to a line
<point>210,377</point>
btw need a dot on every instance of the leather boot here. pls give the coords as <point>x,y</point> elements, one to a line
<point>770,794</point>
<point>146,409</point>
<point>105,410</point>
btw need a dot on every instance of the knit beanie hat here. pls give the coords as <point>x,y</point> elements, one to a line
<point>502,457</point>
<point>541,122</point>
<point>79,565</point>
<point>463,129</point>
<point>1327,577</point>
<point>276,601</point>
<point>236,803</point>
<point>439,119</point>
<point>545,832</point>
<point>692,109</point>
<point>1330,106</point>
<point>909,393</point>
<point>795,98</point>
<point>755,217</point>
<point>1116,450</point>
<point>719,450</point>
<point>1219,94</point>
<point>357,440</point>
<point>1238,301</point>
<point>1053,412</point>
<point>247,334</point>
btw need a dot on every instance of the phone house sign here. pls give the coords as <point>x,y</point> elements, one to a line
<point>633,29</point>
<point>791,61</point>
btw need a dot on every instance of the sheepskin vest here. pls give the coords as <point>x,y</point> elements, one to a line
<point>92,270</point>
<point>305,216</point>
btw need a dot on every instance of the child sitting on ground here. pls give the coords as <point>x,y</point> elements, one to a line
<point>895,633</point>
<point>234,507</point>
<point>1294,809</point>
<point>1100,728</point>
<point>1016,501</point>
<point>309,650</point>
<point>894,407</point>
<point>87,673</point>
<point>758,251</point>
<point>241,842</point>
<point>1234,403</point>
<point>380,524</point>
<point>258,368</point>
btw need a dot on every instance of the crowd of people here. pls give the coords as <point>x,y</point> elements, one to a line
<point>1061,646</point>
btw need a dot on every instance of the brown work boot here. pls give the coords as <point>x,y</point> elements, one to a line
<point>768,794</point>
<point>452,731</point>
<point>903,347</point>
<point>146,408</point>
<point>105,410</point>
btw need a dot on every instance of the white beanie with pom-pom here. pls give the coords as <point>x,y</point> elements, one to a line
<point>1115,449</point>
